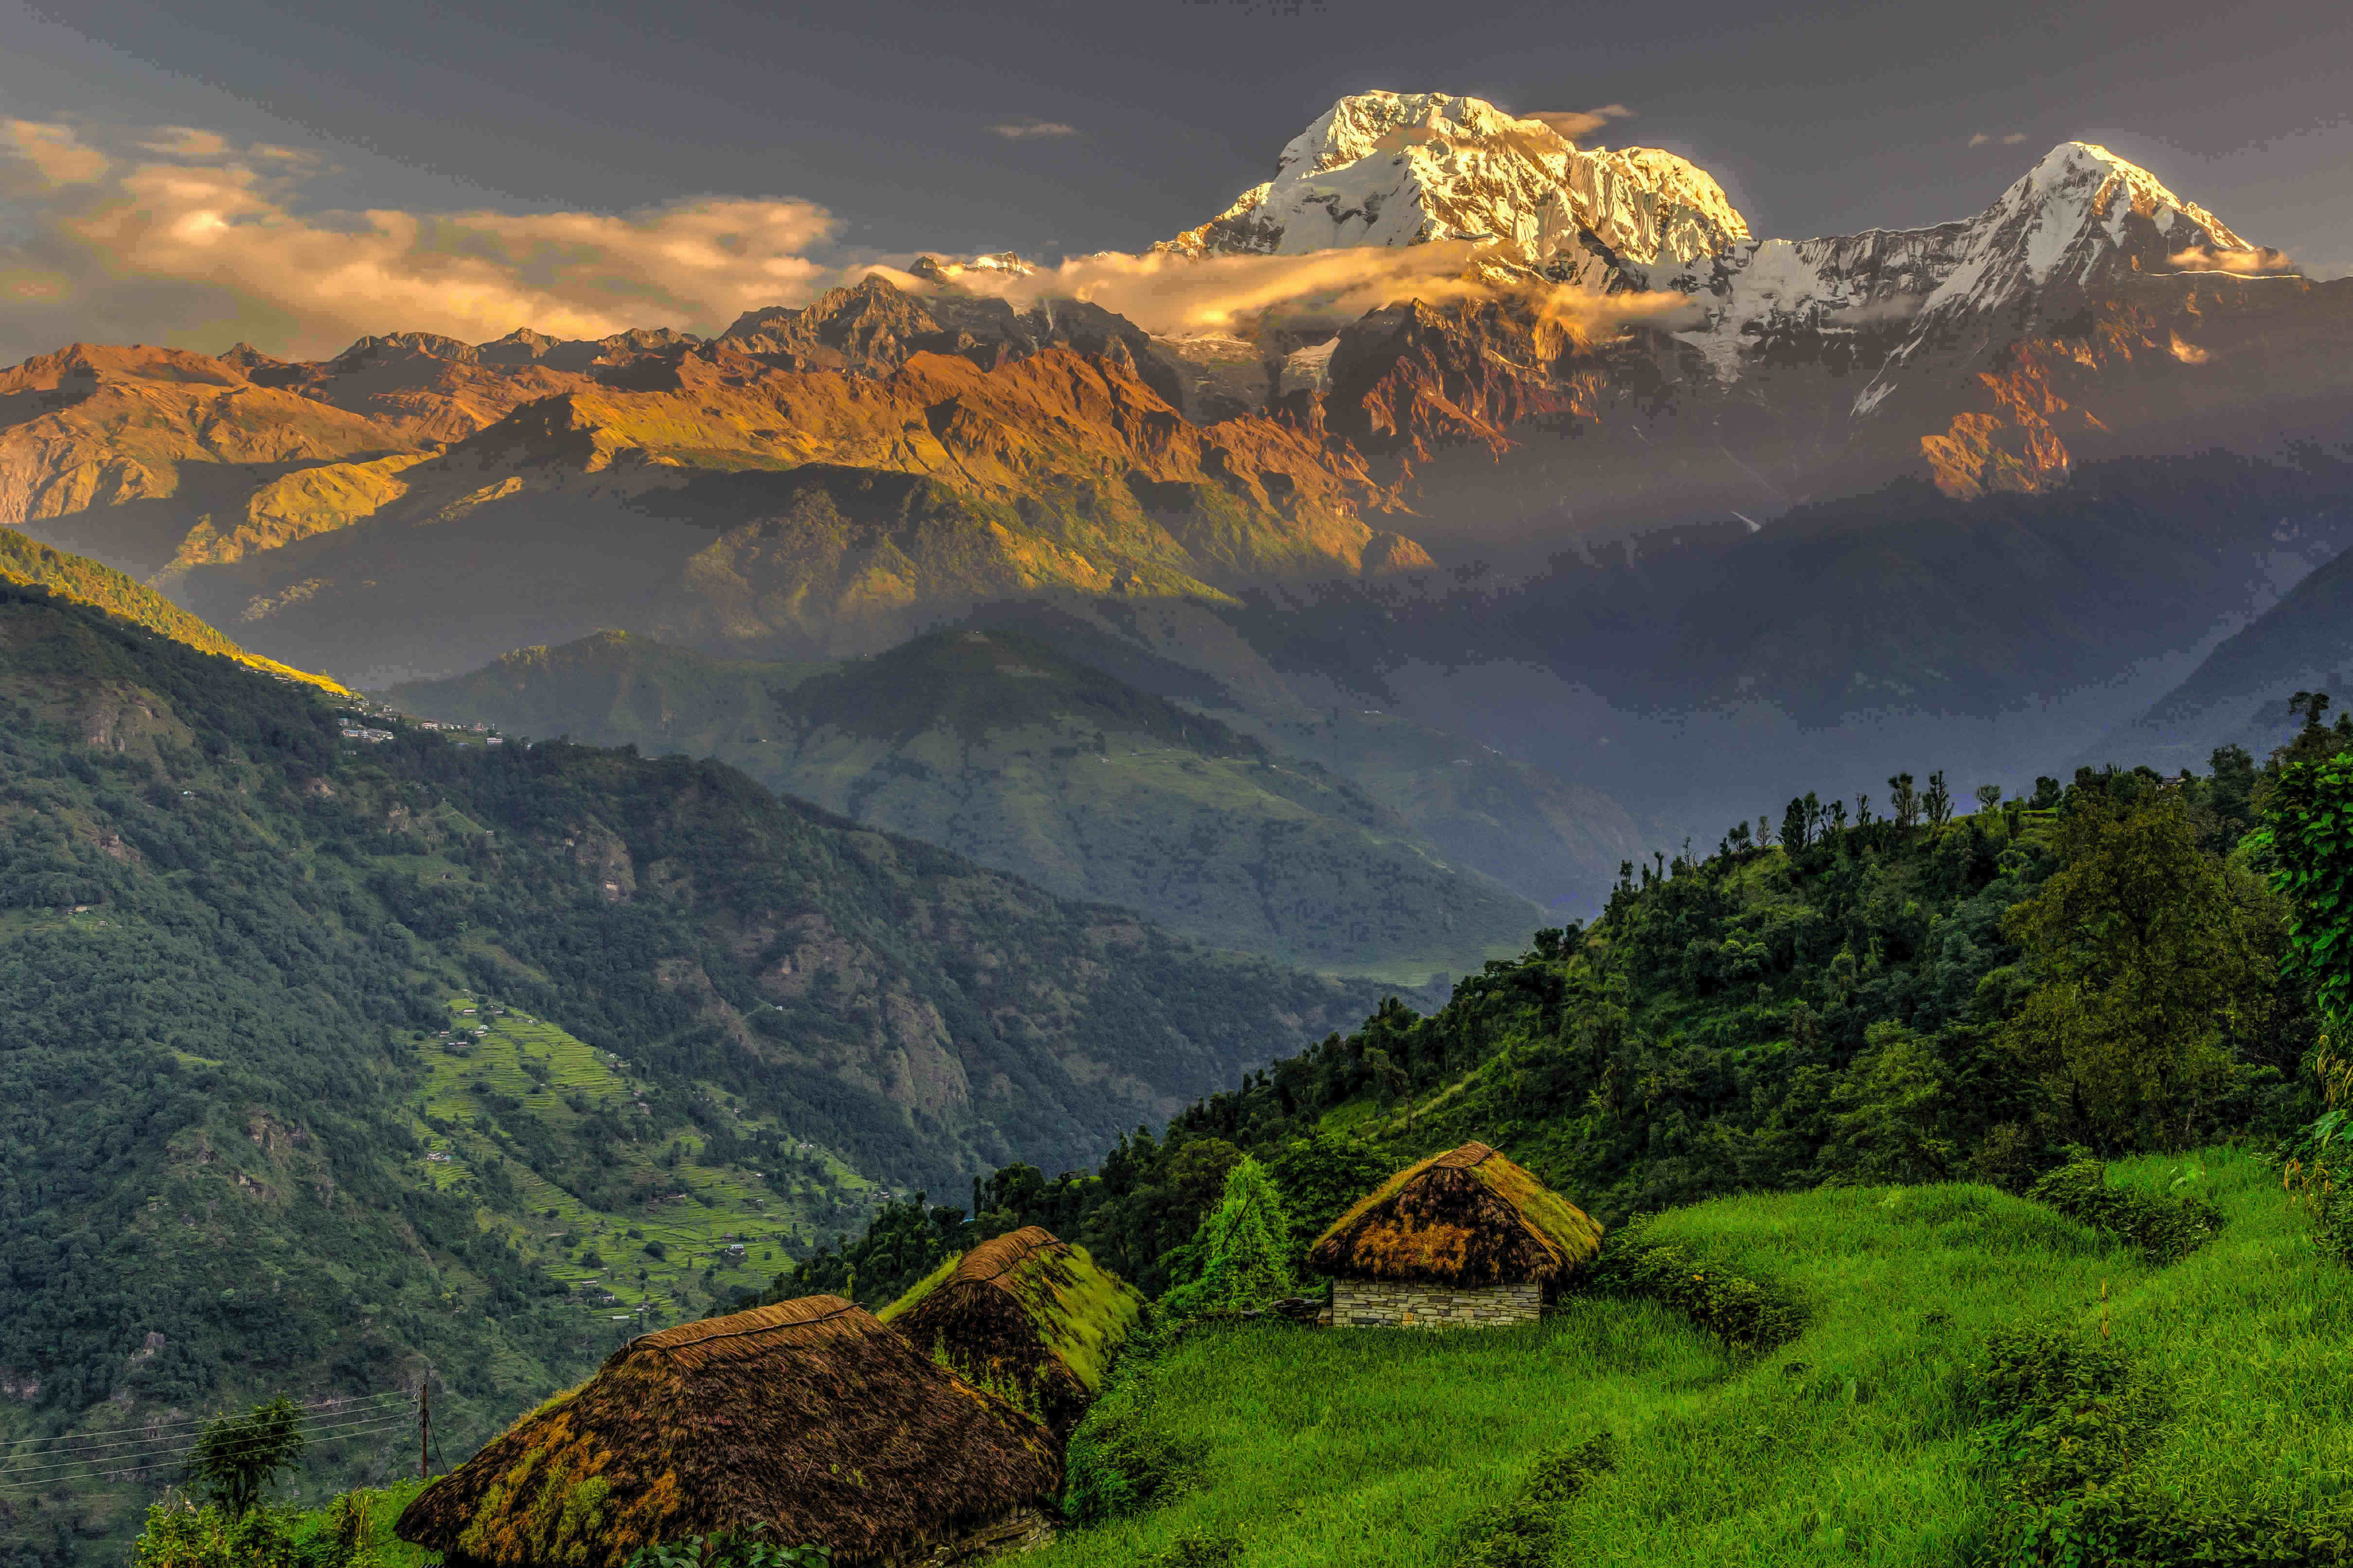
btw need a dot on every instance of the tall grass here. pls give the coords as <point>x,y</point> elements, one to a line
<point>1851,1442</point>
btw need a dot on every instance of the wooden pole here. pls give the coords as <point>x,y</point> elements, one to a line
<point>425,1425</point>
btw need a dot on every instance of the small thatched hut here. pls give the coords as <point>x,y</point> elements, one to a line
<point>1465,1237</point>
<point>808,1416</point>
<point>1027,1316</point>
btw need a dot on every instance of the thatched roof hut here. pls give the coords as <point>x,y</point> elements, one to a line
<point>1027,1316</point>
<point>1464,1219</point>
<point>808,1415</point>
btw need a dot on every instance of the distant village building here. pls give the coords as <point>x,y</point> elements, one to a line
<point>808,1418</point>
<point>1465,1238</point>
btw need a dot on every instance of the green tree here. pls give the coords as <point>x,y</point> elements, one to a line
<point>1939,802</point>
<point>2309,831</point>
<point>2149,964</point>
<point>1243,1248</point>
<point>1888,1110</point>
<point>1905,800</point>
<point>237,1458</point>
<point>1319,1178</point>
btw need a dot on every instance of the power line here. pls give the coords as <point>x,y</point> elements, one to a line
<point>74,1441</point>
<point>139,1465</point>
<point>340,1418</point>
<point>329,1407</point>
<point>333,1434</point>
<point>328,1431</point>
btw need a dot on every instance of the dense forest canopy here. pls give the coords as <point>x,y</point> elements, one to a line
<point>1889,991</point>
<point>233,934</point>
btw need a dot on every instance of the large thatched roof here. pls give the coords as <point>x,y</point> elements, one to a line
<point>1468,1216</point>
<point>810,1416</point>
<point>1030,1317</point>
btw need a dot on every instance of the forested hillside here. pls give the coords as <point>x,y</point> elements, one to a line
<point>1893,991</point>
<point>998,747</point>
<point>238,948</point>
<point>24,559</point>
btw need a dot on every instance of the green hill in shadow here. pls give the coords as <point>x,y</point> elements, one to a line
<point>994,745</point>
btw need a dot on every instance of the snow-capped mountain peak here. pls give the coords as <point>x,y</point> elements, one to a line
<point>1388,168</point>
<point>2080,208</point>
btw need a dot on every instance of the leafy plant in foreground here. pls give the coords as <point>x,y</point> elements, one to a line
<point>179,1534</point>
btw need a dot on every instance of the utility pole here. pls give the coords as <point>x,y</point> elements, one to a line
<point>425,1425</point>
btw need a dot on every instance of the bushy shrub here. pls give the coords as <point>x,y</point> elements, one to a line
<point>1520,1533</point>
<point>2066,1419</point>
<point>2061,1414</point>
<point>1197,1549</point>
<point>1742,1311</point>
<point>1121,1461</point>
<point>2334,1231</point>
<point>179,1534</point>
<point>2165,1230</point>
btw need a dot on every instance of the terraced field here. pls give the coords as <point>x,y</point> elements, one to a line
<point>573,1154</point>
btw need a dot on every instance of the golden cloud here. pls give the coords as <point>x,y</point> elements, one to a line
<point>1178,295</point>
<point>56,156</point>
<point>1574,123</point>
<point>172,234</point>
<point>181,208</point>
<point>2254,261</point>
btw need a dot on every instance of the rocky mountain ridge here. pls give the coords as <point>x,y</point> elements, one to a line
<point>900,453</point>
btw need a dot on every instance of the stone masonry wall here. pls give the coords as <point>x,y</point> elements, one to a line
<point>1381,1303</point>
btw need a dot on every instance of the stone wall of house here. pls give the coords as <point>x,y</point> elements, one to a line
<point>1382,1303</point>
<point>1022,1531</point>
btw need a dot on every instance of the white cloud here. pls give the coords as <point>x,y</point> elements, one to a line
<point>1022,130</point>
<point>2008,138</point>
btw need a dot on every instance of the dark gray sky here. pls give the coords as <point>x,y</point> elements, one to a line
<point>1820,118</point>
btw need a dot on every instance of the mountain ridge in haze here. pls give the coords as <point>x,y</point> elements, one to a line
<point>996,745</point>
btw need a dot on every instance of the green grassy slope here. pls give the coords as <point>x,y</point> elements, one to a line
<point>230,940</point>
<point>1850,1443</point>
<point>1001,749</point>
<point>24,559</point>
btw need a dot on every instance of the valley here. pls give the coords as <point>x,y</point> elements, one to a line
<point>813,777</point>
